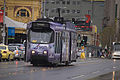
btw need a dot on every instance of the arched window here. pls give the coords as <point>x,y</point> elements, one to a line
<point>2,8</point>
<point>23,13</point>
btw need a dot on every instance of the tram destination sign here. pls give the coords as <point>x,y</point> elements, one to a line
<point>37,25</point>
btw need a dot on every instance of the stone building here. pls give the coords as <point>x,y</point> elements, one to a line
<point>109,13</point>
<point>77,9</point>
<point>112,16</point>
<point>21,11</point>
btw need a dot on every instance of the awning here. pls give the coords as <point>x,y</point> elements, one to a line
<point>11,23</point>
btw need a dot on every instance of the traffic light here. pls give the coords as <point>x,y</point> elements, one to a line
<point>82,43</point>
<point>85,40</point>
<point>73,20</point>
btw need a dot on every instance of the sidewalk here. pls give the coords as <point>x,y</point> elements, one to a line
<point>87,60</point>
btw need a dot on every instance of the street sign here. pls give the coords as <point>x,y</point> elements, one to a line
<point>3,34</point>
<point>1,16</point>
<point>11,31</point>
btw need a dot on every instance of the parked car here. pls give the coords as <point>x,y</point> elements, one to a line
<point>16,44</point>
<point>19,54</point>
<point>6,53</point>
<point>79,52</point>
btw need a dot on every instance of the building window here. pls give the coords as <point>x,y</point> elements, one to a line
<point>73,11</point>
<point>63,11</point>
<point>53,2</point>
<point>23,13</point>
<point>57,2</point>
<point>47,2</point>
<point>52,11</point>
<point>68,2</point>
<point>46,9</point>
<point>78,2</point>
<point>63,2</point>
<point>2,8</point>
<point>68,11</point>
<point>78,11</point>
<point>74,2</point>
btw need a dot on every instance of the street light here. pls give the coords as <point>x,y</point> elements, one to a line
<point>3,34</point>
<point>92,4</point>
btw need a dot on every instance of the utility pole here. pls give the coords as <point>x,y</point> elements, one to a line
<point>59,13</point>
<point>3,34</point>
<point>33,13</point>
<point>92,5</point>
<point>118,21</point>
<point>44,7</point>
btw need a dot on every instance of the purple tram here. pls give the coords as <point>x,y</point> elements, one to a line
<point>50,42</point>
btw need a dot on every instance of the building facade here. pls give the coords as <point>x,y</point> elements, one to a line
<point>77,9</point>
<point>112,16</point>
<point>109,13</point>
<point>22,10</point>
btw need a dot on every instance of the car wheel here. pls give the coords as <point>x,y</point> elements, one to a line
<point>13,59</point>
<point>3,59</point>
<point>8,58</point>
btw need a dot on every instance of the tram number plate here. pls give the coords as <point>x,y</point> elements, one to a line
<point>40,53</point>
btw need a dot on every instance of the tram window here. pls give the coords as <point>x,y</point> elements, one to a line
<point>41,36</point>
<point>58,43</point>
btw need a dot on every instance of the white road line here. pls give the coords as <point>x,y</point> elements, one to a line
<point>114,67</point>
<point>78,77</point>
<point>95,72</point>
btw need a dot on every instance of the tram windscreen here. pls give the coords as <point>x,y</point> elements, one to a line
<point>41,34</point>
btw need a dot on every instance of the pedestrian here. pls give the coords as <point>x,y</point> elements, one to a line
<point>90,55</point>
<point>98,53</point>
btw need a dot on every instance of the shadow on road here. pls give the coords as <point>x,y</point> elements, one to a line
<point>115,75</point>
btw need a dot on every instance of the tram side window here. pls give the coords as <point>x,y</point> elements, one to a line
<point>73,39</point>
<point>58,44</point>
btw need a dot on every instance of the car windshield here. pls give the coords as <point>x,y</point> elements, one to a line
<point>3,47</point>
<point>117,47</point>
<point>41,36</point>
<point>12,48</point>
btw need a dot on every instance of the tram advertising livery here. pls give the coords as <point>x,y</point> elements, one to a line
<point>50,42</point>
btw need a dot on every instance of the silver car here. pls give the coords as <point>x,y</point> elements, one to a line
<point>19,54</point>
<point>116,54</point>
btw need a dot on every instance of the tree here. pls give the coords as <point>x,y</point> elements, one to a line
<point>107,36</point>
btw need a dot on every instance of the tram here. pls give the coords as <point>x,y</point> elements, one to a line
<point>50,42</point>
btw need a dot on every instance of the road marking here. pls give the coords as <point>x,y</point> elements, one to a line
<point>114,67</point>
<point>78,76</point>
<point>95,72</point>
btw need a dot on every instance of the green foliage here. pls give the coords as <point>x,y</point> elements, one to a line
<point>107,36</point>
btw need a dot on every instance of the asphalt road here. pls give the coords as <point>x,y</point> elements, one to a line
<point>80,70</point>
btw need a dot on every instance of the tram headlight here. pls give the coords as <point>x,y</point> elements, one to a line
<point>44,52</point>
<point>33,52</point>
